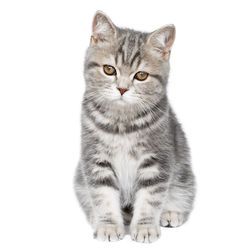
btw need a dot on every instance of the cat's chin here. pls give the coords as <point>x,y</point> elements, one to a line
<point>121,101</point>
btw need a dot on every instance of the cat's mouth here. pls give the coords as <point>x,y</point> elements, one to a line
<point>121,100</point>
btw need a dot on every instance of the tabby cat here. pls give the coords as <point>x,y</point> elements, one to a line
<point>134,170</point>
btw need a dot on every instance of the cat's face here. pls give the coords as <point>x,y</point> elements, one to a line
<point>125,67</point>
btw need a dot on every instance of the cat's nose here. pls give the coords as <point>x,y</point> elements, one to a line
<point>122,91</point>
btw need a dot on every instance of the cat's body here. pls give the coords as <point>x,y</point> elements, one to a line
<point>134,167</point>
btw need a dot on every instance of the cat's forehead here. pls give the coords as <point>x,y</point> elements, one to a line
<point>127,51</point>
<point>128,38</point>
<point>129,48</point>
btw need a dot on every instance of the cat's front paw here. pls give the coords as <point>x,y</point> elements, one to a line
<point>145,233</point>
<point>109,232</point>
<point>171,219</point>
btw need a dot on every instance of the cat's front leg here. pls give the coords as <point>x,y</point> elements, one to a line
<point>149,199</point>
<point>108,224</point>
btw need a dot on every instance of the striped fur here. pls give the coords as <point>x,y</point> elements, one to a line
<point>134,167</point>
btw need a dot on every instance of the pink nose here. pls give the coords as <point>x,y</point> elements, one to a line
<point>122,91</point>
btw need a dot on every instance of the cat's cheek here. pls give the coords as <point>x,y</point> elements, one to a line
<point>112,93</point>
<point>148,88</point>
<point>154,88</point>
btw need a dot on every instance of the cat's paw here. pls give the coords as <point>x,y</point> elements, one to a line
<point>109,232</point>
<point>171,219</point>
<point>145,233</point>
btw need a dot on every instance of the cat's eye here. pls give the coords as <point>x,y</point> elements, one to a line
<point>141,76</point>
<point>109,70</point>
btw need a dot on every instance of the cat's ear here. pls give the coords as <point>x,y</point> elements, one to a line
<point>103,30</point>
<point>161,41</point>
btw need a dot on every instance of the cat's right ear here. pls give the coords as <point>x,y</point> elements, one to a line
<point>161,41</point>
<point>103,30</point>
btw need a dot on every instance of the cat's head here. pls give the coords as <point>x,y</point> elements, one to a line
<point>124,67</point>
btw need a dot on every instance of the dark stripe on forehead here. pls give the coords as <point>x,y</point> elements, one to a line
<point>137,54</point>
<point>130,47</point>
<point>122,44</point>
<point>138,62</point>
<point>121,51</point>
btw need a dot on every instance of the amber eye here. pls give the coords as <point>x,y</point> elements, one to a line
<point>141,75</point>
<point>109,70</point>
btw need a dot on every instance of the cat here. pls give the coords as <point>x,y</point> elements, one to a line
<point>134,168</point>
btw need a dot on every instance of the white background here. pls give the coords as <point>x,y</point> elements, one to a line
<point>42,49</point>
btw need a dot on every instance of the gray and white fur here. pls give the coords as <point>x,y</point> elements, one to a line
<point>134,167</point>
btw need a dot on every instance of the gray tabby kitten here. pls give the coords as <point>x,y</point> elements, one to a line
<point>135,166</point>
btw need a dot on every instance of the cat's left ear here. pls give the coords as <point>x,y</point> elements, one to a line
<point>161,41</point>
<point>103,30</point>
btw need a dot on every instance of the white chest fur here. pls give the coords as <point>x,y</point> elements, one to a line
<point>124,163</point>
